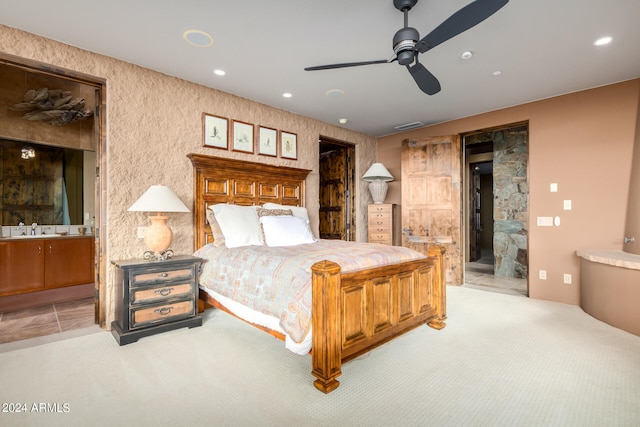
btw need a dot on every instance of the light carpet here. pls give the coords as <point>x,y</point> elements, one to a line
<point>502,360</point>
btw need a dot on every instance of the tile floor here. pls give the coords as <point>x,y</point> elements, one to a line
<point>46,320</point>
<point>479,275</point>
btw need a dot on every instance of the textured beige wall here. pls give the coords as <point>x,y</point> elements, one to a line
<point>154,121</point>
<point>584,143</point>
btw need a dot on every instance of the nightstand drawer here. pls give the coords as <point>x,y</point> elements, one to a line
<point>139,279</point>
<point>148,295</point>
<point>162,313</point>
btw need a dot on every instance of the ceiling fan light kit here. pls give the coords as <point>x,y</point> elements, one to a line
<point>407,44</point>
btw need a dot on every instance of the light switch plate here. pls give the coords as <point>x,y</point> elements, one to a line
<point>567,205</point>
<point>545,221</point>
<point>553,187</point>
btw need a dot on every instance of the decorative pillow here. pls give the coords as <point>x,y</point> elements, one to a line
<point>274,212</point>
<point>296,210</point>
<point>239,225</point>
<point>218,237</point>
<point>286,231</point>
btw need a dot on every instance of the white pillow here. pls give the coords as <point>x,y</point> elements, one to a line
<point>296,210</point>
<point>239,225</point>
<point>286,231</point>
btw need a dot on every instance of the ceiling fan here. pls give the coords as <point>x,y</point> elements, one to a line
<point>407,43</point>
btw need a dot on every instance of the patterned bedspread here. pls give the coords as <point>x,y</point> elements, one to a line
<point>277,280</point>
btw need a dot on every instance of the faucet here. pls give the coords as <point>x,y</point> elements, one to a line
<point>33,228</point>
<point>21,225</point>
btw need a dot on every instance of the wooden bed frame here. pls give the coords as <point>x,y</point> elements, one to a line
<point>352,312</point>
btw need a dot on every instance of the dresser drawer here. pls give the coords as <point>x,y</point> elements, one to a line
<point>384,208</point>
<point>379,237</point>
<point>138,279</point>
<point>382,222</point>
<point>162,313</point>
<point>160,293</point>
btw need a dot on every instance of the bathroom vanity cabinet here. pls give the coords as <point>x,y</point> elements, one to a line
<point>28,265</point>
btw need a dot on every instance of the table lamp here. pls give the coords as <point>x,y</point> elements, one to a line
<point>158,236</point>
<point>377,176</point>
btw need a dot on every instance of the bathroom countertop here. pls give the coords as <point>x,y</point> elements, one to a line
<point>41,236</point>
<point>615,258</point>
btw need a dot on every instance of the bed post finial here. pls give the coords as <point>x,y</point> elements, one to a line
<point>326,353</point>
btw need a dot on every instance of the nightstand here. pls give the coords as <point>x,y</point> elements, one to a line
<point>155,296</point>
<point>381,223</point>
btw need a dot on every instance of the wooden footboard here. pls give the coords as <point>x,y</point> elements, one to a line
<point>356,312</point>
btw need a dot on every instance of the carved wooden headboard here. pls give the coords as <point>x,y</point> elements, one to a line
<point>238,182</point>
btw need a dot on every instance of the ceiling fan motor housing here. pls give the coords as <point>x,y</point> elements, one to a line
<point>404,42</point>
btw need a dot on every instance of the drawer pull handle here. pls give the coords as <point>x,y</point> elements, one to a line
<point>164,291</point>
<point>163,311</point>
<point>164,274</point>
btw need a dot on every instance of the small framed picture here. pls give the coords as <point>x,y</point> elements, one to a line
<point>267,141</point>
<point>242,137</point>
<point>288,145</point>
<point>215,131</point>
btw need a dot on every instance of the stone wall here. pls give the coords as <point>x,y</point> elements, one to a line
<point>511,212</point>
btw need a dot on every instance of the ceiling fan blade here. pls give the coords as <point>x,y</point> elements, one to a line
<point>346,64</point>
<point>467,17</point>
<point>427,82</point>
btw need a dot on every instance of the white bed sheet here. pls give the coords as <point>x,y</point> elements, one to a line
<point>262,319</point>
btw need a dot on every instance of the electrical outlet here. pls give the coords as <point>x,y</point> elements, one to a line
<point>543,275</point>
<point>141,231</point>
<point>567,279</point>
<point>567,205</point>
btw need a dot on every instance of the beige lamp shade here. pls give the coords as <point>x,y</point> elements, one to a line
<point>377,176</point>
<point>158,236</point>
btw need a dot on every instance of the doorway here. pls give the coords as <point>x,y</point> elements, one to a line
<point>496,208</point>
<point>337,195</point>
<point>87,136</point>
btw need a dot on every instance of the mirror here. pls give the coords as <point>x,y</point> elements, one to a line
<point>46,184</point>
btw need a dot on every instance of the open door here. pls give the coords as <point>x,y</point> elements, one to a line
<point>431,199</point>
<point>337,176</point>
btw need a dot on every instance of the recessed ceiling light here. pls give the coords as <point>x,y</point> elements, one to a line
<point>343,121</point>
<point>287,95</point>
<point>334,93</point>
<point>197,38</point>
<point>497,72</point>
<point>219,72</point>
<point>466,55</point>
<point>603,41</point>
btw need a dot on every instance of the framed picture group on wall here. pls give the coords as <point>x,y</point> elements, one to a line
<point>235,135</point>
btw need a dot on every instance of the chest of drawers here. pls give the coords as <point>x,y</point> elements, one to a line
<point>155,296</point>
<point>381,223</point>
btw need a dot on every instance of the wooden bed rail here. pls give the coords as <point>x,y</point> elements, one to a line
<point>358,311</point>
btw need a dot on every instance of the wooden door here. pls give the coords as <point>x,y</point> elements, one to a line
<point>431,199</point>
<point>336,206</point>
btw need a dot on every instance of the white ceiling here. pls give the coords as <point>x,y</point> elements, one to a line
<point>543,48</point>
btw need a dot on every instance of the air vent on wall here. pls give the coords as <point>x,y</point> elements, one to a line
<point>409,126</point>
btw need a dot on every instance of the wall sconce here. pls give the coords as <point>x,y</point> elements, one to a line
<point>28,153</point>
<point>158,236</point>
<point>377,176</point>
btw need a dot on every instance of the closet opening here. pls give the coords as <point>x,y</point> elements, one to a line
<point>337,190</point>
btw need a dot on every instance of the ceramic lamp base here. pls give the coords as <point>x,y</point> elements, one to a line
<point>158,236</point>
<point>378,190</point>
